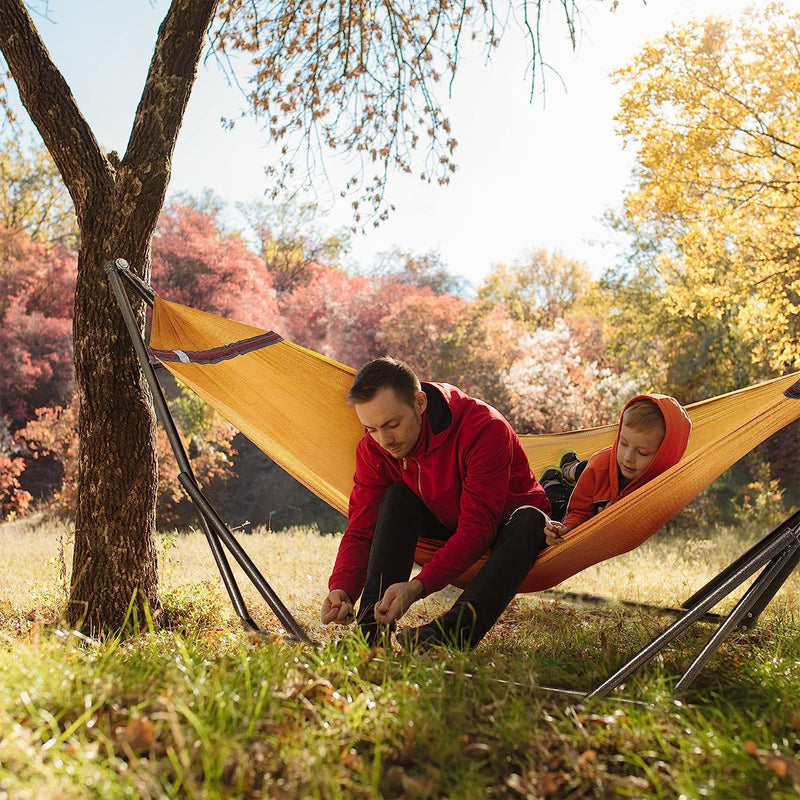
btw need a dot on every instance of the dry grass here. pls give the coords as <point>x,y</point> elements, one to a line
<point>296,562</point>
<point>38,558</point>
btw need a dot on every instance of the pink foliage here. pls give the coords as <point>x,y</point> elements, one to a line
<point>447,338</point>
<point>41,274</point>
<point>37,368</point>
<point>340,316</point>
<point>37,285</point>
<point>416,330</point>
<point>194,263</point>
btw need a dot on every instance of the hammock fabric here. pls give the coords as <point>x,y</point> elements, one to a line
<point>289,401</point>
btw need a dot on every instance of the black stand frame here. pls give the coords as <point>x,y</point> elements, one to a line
<point>216,531</point>
<point>776,555</point>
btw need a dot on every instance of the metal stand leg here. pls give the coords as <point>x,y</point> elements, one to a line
<point>770,590</point>
<point>701,593</point>
<point>214,528</point>
<point>765,581</point>
<point>237,601</point>
<point>245,562</point>
<point>770,547</point>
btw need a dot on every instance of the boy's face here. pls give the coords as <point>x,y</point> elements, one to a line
<point>636,450</point>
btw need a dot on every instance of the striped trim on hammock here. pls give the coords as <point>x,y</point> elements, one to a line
<point>217,354</point>
<point>793,391</point>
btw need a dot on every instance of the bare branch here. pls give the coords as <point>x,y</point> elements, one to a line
<point>42,88</point>
<point>172,74</point>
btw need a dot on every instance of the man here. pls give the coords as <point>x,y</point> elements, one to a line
<point>437,464</point>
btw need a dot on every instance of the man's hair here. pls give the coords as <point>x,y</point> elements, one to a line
<point>644,415</point>
<point>381,373</point>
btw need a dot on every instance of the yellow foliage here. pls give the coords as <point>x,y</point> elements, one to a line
<point>713,109</point>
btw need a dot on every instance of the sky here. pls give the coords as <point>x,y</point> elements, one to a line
<point>533,171</point>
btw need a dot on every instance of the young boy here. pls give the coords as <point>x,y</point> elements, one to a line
<point>653,434</point>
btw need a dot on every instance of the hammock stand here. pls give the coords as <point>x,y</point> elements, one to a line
<point>775,557</point>
<point>216,531</point>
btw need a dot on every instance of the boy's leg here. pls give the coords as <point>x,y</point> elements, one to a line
<point>558,493</point>
<point>402,518</point>
<point>513,553</point>
<point>571,466</point>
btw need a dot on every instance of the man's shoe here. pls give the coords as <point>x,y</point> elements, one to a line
<point>454,629</point>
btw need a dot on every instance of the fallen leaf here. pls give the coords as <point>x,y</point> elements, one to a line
<point>548,784</point>
<point>138,735</point>
<point>784,766</point>
<point>353,761</point>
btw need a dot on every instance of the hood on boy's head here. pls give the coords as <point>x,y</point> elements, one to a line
<point>677,427</point>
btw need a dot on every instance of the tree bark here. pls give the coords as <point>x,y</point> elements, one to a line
<point>117,205</point>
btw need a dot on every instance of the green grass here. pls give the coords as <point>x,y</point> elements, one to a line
<point>195,707</point>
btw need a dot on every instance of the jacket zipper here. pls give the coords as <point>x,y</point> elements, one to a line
<point>419,476</point>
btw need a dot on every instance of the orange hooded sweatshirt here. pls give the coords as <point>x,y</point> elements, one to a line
<point>599,483</point>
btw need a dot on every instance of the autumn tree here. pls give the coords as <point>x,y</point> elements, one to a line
<point>537,289</point>
<point>52,434</point>
<point>33,197</point>
<point>426,270</point>
<point>553,387</point>
<point>352,77</point>
<point>414,327</point>
<point>14,499</point>
<point>340,315</point>
<point>290,243</point>
<point>447,338</point>
<point>37,284</point>
<point>38,239</point>
<point>712,290</point>
<point>197,264</point>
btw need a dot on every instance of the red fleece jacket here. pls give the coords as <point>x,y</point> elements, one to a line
<point>468,468</point>
<point>598,485</point>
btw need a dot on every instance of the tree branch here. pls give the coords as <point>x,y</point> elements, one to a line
<point>49,101</point>
<point>172,74</point>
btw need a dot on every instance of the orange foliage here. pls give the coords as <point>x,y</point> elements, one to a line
<point>14,500</point>
<point>54,432</point>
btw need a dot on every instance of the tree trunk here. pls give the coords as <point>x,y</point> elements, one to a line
<point>115,557</point>
<point>117,205</point>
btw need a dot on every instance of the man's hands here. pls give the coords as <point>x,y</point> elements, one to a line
<point>397,600</point>
<point>337,607</point>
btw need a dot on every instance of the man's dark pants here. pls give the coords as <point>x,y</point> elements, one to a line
<point>403,518</point>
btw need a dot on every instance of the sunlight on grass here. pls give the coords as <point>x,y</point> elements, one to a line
<point>200,708</point>
<point>296,562</point>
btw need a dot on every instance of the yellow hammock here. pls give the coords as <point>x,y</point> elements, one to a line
<point>289,401</point>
